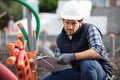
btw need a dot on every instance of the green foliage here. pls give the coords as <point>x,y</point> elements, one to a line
<point>48,5</point>
<point>12,8</point>
<point>15,9</point>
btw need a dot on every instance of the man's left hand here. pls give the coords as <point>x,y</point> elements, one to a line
<point>66,58</point>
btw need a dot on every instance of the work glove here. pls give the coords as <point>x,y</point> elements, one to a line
<point>66,58</point>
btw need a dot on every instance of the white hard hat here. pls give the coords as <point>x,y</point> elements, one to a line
<point>71,11</point>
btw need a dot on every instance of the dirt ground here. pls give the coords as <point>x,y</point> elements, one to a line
<point>4,54</point>
<point>116,62</point>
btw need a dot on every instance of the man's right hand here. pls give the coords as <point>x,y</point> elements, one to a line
<point>66,58</point>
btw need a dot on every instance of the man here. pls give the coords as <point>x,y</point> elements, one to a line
<point>81,46</point>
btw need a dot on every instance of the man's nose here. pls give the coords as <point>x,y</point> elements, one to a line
<point>70,26</point>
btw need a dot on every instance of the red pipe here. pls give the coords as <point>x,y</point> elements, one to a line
<point>20,59</point>
<point>6,74</point>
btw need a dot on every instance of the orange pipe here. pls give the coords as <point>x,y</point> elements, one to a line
<point>14,52</point>
<point>18,44</point>
<point>11,60</point>
<point>10,46</point>
<point>20,35</point>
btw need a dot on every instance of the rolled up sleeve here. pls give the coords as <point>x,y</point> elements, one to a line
<point>95,40</point>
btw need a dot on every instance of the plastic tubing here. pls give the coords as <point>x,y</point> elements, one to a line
<point>24,34</point>
<point>35,14</point>
<point>6,74</point>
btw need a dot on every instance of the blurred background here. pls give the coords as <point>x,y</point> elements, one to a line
<point>105,14</point>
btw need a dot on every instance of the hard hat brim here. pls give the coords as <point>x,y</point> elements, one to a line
<point>71,17</point>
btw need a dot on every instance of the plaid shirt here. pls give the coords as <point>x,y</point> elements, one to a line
<point>95,40</point>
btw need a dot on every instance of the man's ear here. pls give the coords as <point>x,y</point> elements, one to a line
<point>80,21</point>
<point>62,19</point>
